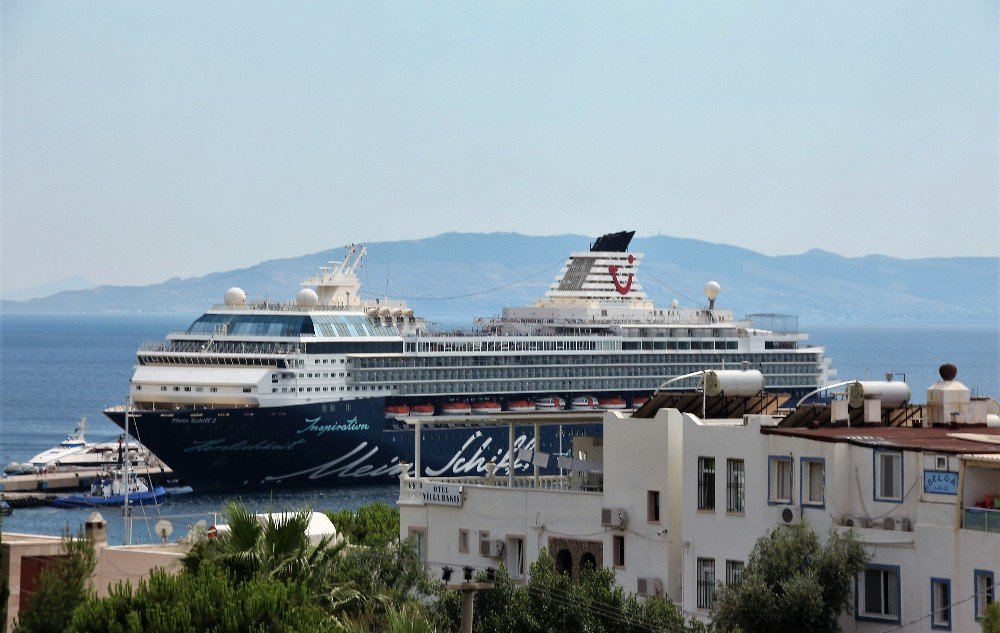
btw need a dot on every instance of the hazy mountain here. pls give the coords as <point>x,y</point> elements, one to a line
<point>456,276</point>
<point>75,282</point>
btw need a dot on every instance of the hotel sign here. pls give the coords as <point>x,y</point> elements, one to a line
<point>442,494</point>
<point>940,482</point>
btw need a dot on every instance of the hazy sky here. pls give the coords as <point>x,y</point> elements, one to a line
<point>146,140</point>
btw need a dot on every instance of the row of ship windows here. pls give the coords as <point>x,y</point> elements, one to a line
<point>196,389</point>
<point>610,345</point>
<point>575,385</point>
<point>611,359</point>
<point>320,389</point>
<point>405,375</point>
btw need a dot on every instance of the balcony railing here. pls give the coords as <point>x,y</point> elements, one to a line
<point>981,519</point>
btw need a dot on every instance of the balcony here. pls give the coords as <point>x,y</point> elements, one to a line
<point>981,519</point>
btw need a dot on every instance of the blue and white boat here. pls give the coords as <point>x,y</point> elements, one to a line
<point>111,492</point>
<point>316,392</point>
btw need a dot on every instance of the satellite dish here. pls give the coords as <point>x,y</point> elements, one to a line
<point>164,528</point>
<point>712,290</point>
<point>202,525</point>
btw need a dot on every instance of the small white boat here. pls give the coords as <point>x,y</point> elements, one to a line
<point>550,403</point>
<point>76,452</point>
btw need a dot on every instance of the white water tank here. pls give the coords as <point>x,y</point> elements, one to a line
<point>733,382</point>
<point>892,394</point>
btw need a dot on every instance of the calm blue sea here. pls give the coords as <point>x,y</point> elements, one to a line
<point>54,369</point>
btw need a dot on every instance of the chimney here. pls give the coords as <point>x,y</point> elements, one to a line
<point>96,529</point>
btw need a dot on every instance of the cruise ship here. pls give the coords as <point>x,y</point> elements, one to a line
<point>323,390</point>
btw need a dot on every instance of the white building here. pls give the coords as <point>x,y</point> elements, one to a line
<point>677,502</point>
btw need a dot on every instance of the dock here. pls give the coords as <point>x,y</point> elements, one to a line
<point>36,488</point>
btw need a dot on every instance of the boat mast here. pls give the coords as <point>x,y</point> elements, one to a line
<point>125,509</point>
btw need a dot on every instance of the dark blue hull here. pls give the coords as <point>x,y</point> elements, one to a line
<point>148,498</point>
<point>326,444</point>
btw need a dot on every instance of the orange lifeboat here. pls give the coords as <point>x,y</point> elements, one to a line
<point>638,401</point>
<point>611,403</point>
<point>456,408</point>
<point>487,407</point>
<point>396,411</point>
<point>583,403</point>
<point>421,410</point>
<point>550,403</point>
<point>520,406</point>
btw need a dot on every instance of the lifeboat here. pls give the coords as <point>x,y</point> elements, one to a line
<point>421,410</point>
<point>611,403</point>
<point>550,403</point>
<point>487,407</point>
<point>638,401</point>
<point>520,406</point>
<point>394,411</point>
<point>583,403</point>
<point>456,408</point>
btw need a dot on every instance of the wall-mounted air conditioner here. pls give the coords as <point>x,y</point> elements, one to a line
<point>650,587</point>
<point>850,520</point>
<point>491,547</point>
<point>614,517</point>
<point>789,516</point>
<point>892,523</point>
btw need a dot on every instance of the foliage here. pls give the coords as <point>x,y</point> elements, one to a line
<point>60,588</point>
<point>991,621</point>
<point>276,546</point>
<point>372,525</point>
<point>551,602</point>
<point>209,599</point>
<point>792,583</point>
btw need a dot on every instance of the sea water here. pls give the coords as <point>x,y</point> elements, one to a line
<point>56,368</point>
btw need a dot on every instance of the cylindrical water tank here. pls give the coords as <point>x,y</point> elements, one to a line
<point>384,312</point>
<point>733,382</point>
<point>892,394</point>
<point>408,313</point>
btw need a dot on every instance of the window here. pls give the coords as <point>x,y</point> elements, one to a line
<point>985,591</point>
<point>618,547</point>
<point>940,603</point>
<point>514,553</point>
<point>813,481</point>
<point>706,483</point>
<point>888,476</point>
<point>735,481</point>
<point>463,541</point>
<point>419,536</point>
<point>779,481</point>
<point>653,506</point>
<point>706,582</point>
<point>734,572</point>
<point>878,595</point>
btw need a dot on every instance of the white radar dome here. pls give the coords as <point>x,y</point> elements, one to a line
<point>307,298</point>
<point>235,297</point>
<point>712,289</point>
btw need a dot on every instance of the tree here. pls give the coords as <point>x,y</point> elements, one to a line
<point>210,599</point>
<point>792,582</point>
<point>274,546</point>
<point>991,621</point>
<point>60,588</point>
<point>372,525</point>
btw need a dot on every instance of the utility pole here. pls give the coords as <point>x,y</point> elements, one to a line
<point>468,589</point>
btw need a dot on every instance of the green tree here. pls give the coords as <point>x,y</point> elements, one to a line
<point>275,546</point>
<point>792,582</point>
<point>991,621</point>
<point>371,525</point>
<point>210,599</point>
<point>60,588</point>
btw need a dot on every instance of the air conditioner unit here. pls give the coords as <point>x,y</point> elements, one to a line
<point>789,516</point>
<point>614,517</point>
<point>650,587</point>
<point>491,548</point>
<point>889,523</point>
<point>850,520</point>
<point>905,525</point>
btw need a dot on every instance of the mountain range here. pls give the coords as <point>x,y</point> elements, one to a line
<point>453,277</point>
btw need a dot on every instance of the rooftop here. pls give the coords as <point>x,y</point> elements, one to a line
<point>942,439</point>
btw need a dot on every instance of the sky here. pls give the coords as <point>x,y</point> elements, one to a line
<point>142,141</point>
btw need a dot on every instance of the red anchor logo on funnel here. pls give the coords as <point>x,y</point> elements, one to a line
<point>619,286</point>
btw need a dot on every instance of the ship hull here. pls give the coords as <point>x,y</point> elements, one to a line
<point>328,444</point>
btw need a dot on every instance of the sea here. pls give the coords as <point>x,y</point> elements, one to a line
<point>56,368</point>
